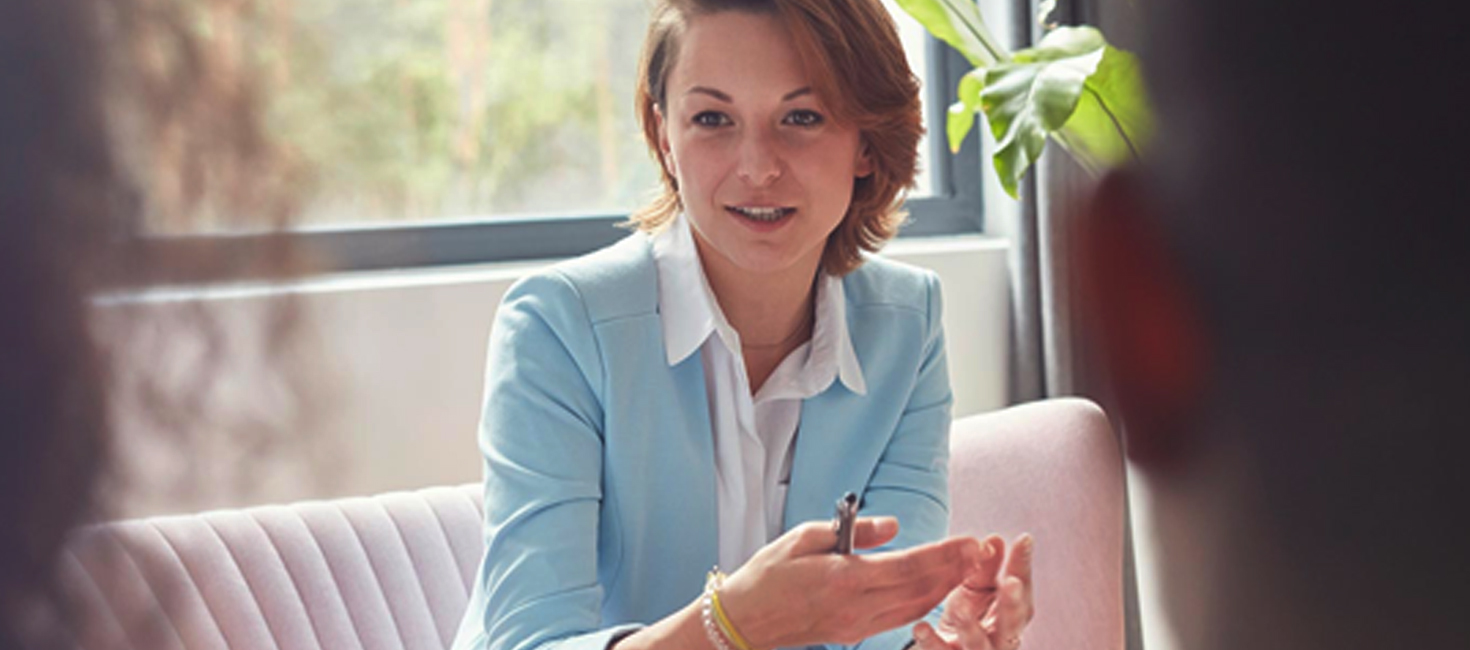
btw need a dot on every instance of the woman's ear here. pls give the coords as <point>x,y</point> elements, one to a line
<point>1143,321</point>
<point>863,167</point>
<point>665,149</point>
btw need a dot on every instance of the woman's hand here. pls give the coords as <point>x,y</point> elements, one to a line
<point>989,614</point>
<point>796,592</point>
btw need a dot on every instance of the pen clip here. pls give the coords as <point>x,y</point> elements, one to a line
<point>845,523</point>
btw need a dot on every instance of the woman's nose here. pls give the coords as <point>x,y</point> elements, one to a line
<point>760,162</point>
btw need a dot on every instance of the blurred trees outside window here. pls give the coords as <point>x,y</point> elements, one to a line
<point>428,110</point>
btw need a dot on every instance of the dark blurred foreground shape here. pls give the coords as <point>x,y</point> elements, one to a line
<point>113,113</point>
<point>1281,297</point>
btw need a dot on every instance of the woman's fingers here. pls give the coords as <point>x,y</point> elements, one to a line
<point>816,537</point>
<point>871,532</point>
<point>991,610</point>
<point>1010,615</point>
<point>901,605</point>
<point>926,638</point>
<point>1019,562</point>
<point>963,612</point>
<point>948,561</point>
<point>987,575</point>
<point>989,590</point>
<point>900,587</point>
<point>972,637</point>
<point>1018,566</point>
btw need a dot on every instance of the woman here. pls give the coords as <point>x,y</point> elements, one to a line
<point>643,403</point>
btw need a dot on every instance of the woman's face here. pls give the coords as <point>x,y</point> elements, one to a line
<point>764,173</point>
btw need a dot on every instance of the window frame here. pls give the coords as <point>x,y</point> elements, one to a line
<point>955,207</point>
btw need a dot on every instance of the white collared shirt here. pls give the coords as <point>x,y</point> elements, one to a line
<point>753,435</point>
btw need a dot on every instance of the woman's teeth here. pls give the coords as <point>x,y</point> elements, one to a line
<point>763,214</point>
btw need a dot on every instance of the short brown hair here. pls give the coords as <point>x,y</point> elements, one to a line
<point>857,66</point>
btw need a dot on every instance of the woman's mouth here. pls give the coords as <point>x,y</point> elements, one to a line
<point>761,214</point>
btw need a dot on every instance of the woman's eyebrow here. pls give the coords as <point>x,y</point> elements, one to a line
<point>720,95</point>
<point>806,90</point>
<point>711,92</point>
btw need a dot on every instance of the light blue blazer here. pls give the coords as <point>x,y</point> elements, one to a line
<point>599,457</point>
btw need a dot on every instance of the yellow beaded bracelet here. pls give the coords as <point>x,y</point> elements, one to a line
<point>712,591</point>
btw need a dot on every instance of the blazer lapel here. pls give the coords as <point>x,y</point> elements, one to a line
<point>700,516</point>
<point>818,474</point>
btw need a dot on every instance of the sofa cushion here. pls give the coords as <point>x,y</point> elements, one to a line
<point>387,572</point>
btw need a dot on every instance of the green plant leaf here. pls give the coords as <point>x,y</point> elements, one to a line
<point>1112,121</point>
<point>959,23</point>
<point>957,126</point>
<point>971,85</point>
<point>1035,94</point>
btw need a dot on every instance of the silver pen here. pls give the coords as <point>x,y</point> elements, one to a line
<point>845,523</point>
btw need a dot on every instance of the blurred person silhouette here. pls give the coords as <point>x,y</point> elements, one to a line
<point>1281,300</point>
<point>114,118</point>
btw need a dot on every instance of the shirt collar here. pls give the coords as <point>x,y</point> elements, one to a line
<point>685,303</point>
<point>830,335</point>
<point>690,314</point>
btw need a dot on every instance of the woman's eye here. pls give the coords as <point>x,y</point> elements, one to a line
<point>711,119</point>
<point>804,118</point>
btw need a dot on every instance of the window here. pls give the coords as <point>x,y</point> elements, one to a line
<point>461,131</point>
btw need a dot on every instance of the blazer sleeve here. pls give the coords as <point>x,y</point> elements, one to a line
<point>541,439</point>
<point>911,481</point>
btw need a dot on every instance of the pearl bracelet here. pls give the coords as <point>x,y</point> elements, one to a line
<point>717,625</point>
<point>711,628</point>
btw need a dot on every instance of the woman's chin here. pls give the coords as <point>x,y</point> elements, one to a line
<point>770,262</point>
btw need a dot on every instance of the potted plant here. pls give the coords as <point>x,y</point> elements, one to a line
<point>1072,87</point>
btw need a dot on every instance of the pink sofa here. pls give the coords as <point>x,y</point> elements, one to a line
<point>393,571</point>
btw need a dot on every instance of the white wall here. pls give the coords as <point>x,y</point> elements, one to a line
<point>398,359</point>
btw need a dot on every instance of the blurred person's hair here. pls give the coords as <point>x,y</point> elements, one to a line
<point>118,121</point>
<point>1309,172</point>
<point>858,70</point>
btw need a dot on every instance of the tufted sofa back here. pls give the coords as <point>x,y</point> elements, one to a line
<point>392,572</point>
